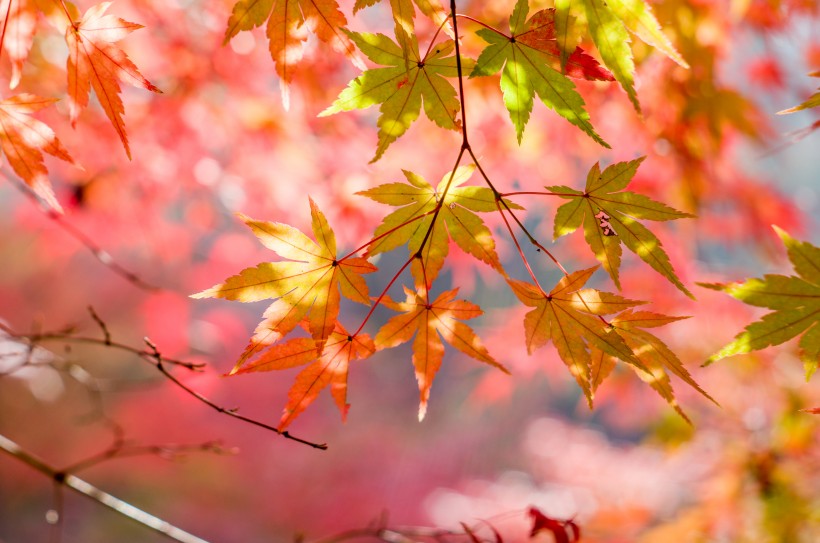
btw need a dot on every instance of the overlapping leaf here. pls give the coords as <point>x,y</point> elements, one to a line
<point>404,13</point>
<point>288,23</point>
<point>431,322</point>
<point>578,64</point>
<point>568,316</point>
<point>95,61</point>
<point>307,284</point>
<point>25,139</point>
<point>17,28</point>
<point>329,363</point>
<point>525,59</point>
<point>794,299</point>
<point>402,87</point>
<point>610,216</point>
<point>610,22</point>
<point>653,353</point>
<point>456,220</point>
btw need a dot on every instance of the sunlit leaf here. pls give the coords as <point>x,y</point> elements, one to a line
<point>307,284</point>
<point>95,61</point>
<point>610,216</point>
<point>403,87</point>
<point>796,301</point>
<point>525,59</point>
<point>430,322</point>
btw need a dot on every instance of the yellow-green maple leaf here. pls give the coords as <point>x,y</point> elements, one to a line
<point>653,353</point>
<point>610,216</point>
<point>456,220</point>
<point>308,283</point>
<point>569,317</point>
<point>796,304</point>
<point>610,23</point>
<point>404,13</point>
<point>402,87</point>
<point>811,101</point>
<point>525,72</point>
<point>431,322</point>
<point>329,364</point>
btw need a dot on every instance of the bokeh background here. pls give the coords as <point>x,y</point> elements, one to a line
<point>217,141</point>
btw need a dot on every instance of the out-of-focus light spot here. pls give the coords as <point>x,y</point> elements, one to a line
<point>52,516</point>
<point>754,419</point>
<point>207,171</point>
<point>243,43</point>
<point>661,147</point>
<point>231,192</point>
<point>54,49</point>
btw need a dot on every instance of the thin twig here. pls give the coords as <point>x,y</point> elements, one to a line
<point>154,357</point>
<point>160,365</point>
<point>81,486</point>
<point>99,253</point>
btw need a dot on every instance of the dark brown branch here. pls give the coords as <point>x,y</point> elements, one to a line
<point>153,356</point>
<point>159,363</point>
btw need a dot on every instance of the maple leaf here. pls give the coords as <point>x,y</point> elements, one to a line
<point>578,64</point>
<point>308,284</point>
<point>404,13</point>
<point>288,24</point>
<point>410,223</point>
<point>653,353</point>
<point>24,139</point>
<point>794,299</point>
<point>330,365</point>
<point>94,61</point>
<point>526,70</point>
<point>812,101</point>
<point>569,317</point>
<point>610,23</point>
<point>431,322</point>
<point>564,531</point>
<point>17,30</point>
<point>402,87</point>
<point>610,216</point>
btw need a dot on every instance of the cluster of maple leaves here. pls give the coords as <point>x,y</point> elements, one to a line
<point>538,57</point>
<point>95,61</point>
<point>590,329</point>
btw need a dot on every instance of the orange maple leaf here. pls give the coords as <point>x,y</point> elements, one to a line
<point>94,61</point>
<point>331,363</point>
<point>24,139</point>
<point>288,24</point>
<point>307,284</point>
<point>431,321</point>
<point>17,34</point>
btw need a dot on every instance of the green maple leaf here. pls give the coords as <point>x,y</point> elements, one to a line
<point>796,304</point>
<point>525,72</point>
<point>610,23</point>
<point>565,30</point>
<point>402,87</point>
<point>569,317</point>
<point>610,216</point>
<point>418,201</point>
<point>308,284</point>
<point>403,14</point>
<point>430,322</point>
<point>653,353</point>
